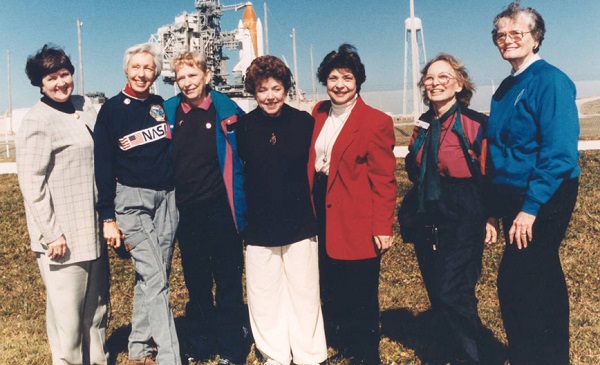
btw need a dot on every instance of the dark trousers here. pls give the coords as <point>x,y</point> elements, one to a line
<point>354,306</point>
<point>211,249</point>
<point>449,258</point>
<point>531,283</point>
<point>349,295</point>
<point>319,192</point>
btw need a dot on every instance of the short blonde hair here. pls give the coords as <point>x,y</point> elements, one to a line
<point>192,59</point>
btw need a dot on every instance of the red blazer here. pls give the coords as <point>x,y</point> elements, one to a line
<point>361,187</point>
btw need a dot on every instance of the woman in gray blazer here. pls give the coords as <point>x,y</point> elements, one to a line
<point>55,163</point>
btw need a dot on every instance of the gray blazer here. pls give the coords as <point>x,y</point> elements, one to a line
<point>55,165</point>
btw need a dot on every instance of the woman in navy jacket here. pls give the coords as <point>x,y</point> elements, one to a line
<point>282,266</point>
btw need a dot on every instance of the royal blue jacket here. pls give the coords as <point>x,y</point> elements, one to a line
<point>532,134</point>
<point>231,166</point>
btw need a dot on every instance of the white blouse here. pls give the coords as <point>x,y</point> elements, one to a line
<point>338,115</point>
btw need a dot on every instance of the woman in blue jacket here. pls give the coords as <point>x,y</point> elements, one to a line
<point>532,135</point>
<point>210,198</point>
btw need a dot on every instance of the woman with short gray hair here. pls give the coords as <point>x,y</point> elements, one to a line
<point>136,200</point>
<point>532,134</point>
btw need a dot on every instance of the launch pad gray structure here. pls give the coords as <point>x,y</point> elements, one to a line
<point>200,31</point>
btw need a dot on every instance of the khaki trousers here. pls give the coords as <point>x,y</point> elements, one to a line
<point>76,300</point>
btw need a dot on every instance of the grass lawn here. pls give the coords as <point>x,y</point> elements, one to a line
<point>407,325</point>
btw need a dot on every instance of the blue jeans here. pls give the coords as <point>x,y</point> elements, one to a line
<point>148,218</point>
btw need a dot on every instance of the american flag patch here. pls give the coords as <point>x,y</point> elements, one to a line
<point>144,136</point>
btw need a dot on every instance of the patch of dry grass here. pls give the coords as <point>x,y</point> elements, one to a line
<point>407,325</point>
<point>403,133</point>
<point>590,128</point>
<point>591,107</point>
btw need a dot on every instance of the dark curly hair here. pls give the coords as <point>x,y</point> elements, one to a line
<point>47,60</point>
<point>536,22</point>
<point>346,57</point>
<point>468,86</point>
<point>264,67</point>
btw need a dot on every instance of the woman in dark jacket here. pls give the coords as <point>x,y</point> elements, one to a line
<point>282,272</point>
<point>136,200</point>
<point>444,162</point>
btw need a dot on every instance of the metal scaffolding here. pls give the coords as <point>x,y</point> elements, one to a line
<point>200,32</point>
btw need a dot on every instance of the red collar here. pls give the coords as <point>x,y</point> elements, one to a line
<point>205,104</point>
<point>132,93</point>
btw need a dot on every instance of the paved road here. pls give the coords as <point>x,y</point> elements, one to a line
<point>8,168</point>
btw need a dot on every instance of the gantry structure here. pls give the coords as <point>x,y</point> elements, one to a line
<point>200,31</point>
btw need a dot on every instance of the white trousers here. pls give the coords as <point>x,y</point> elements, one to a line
<point>284,302</point>
<point>76,299</point>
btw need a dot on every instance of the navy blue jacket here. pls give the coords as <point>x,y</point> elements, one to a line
<point>131,146</point>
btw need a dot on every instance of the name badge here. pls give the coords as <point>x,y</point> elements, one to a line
<point>422,124</point>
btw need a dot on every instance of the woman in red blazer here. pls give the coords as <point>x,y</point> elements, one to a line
<point>351,171</point>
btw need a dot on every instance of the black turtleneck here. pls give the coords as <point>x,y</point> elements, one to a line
<point>65,107</point>
<point>275,154</point>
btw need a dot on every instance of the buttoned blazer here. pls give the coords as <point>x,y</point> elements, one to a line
<point>361,187</point>
<point>55,166</point>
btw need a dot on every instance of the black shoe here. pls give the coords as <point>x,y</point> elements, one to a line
<point>199,348</point>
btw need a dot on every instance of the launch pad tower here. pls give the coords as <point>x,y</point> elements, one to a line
<point>413,27</point>
<point>201,32</point>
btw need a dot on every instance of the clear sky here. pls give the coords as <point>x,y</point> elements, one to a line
<point>376,28</point>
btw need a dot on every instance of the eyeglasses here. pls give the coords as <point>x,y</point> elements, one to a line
<point>443,79</point>
<point>515,35</point>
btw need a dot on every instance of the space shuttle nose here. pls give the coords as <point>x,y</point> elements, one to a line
<point>249,14</point>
